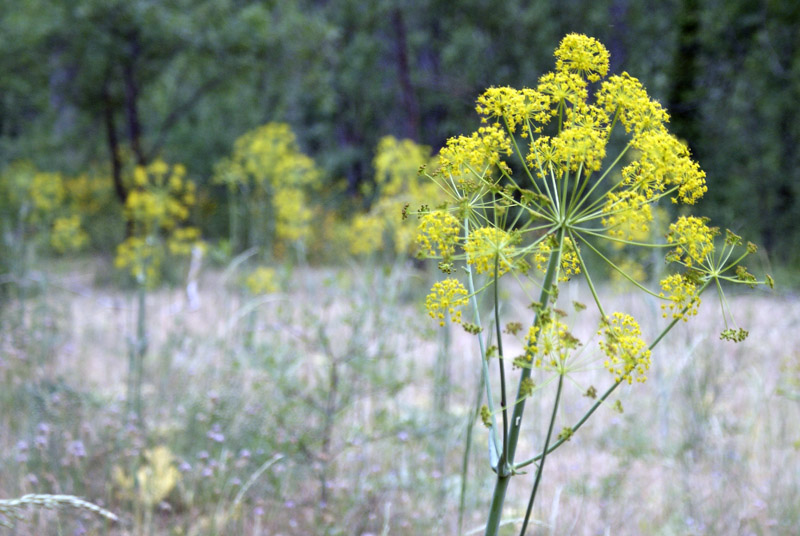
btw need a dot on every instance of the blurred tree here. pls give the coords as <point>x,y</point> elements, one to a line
<point>81,78</point>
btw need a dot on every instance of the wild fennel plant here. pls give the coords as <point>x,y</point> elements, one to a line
<point>532,193</point>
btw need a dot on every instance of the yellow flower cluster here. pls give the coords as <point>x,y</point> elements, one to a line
<point>89,193</point>
<point>570,261</point>
<point>514,106</point>
<point>182,240</point>
<point>396,164</point>
<point>67,234</point>
<point>437,234</point>
<point>581,147</point>
<point>623,345</point>
<point>158,204</point>
<point>488,246</point>
<point>161,197</point>
<point>446,296</point>
<point>532,346</point>
<point>623,97</point>
<point>465,155</point>
<point>681,295</point>
<point>47,192</point>
<point>628,215</point>
<point>582,55</point>
<point>272,178</point>
<point>262,281</point>
<point>549,338</point>
<point>269,156</point>
<point>366,234</point>
<point>143,257</point>
<point>665,163</point>
<point>158,477</point>
<point>292,214</point>
<point>563,89</point>
<point>398,182</point>
<point>693,238</point>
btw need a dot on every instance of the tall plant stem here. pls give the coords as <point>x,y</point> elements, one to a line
<point>540,469</point>
<point>504,472</point>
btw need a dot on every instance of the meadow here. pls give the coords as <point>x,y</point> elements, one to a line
<point>311,411</point>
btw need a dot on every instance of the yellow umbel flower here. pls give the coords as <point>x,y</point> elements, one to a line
<point>183,239</point>
<point>447,296</point>
<point>488,246</point>
<point>682,297</point>
<point>549,338</point>
<point>47,191</point>
<point>665,162</point>
<point>477,153</point>
<point>563,88</point>
<point>580,147</point>
<point>627,215</point>
<point>626,352</point>
<point>582,55</point>
<point>693,238</point>
<point>292,214</point>
<point>570,261</point>
<point>161,198</point>
<point>397,164</point>
<point>366,234</point>
<point>142,257</point>
<point>515,106</point>
<point>624,97</point>
<point>437,233</point>
<point>68,234</point>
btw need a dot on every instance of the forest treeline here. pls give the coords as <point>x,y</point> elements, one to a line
<point>86,82</point>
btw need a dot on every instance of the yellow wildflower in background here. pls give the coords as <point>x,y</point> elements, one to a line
<point>397,164</point>
<point>262,281</point>
<point>47,192</point>
<point>366,234</point>
<point>182,240</point>
<point>142,257</point>
<point>158,477</point>
<point>292,215</point>
<point>67,234</point>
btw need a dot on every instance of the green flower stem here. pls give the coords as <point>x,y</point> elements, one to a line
<point>482,345</point>
<point>540,469</point>
<point>504,474</point>
<point>501,363</point>
<point>618,269</point>
<point>588,277</point>
<point>471,419</point>
<point>604,396</point>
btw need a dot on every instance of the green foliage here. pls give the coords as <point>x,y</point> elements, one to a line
<point>184,79</point>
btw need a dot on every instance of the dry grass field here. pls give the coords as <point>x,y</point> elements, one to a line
<point>336,406</point>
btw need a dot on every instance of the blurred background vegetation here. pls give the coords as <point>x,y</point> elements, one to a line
<point>272,395</point>
<point>98,84</point>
